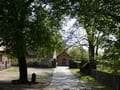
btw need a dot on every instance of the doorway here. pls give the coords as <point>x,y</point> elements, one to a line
<point>64,62</point>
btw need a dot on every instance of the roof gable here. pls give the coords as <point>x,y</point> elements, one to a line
<point>64,53</point>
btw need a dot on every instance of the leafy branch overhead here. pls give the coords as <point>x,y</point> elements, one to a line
<point>33,25</point>
<point>26,26</point>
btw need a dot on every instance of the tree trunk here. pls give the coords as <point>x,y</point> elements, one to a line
<point>96,51</point>
<point>22,70</point>
<point>91,56</point>
<point>20,51</point>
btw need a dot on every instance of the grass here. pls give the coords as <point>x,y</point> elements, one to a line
<point>105,69</point>
<point>85,78</point>
<point>12,70</point>
<point>81,77</point>
<point>108,70</point>
<point>90,80</point>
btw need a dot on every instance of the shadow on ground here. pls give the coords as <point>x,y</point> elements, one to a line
<point>7,85</point>
<point>43,77</point>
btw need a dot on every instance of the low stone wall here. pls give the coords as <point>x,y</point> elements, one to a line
<point>107,79</point>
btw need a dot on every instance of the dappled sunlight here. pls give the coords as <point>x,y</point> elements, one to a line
<point>43,78</point>
<point>63,78</point>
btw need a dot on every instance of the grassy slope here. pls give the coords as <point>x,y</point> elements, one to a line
<point>90,81</point>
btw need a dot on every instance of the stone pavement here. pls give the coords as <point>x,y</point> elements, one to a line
<point>63,79</point>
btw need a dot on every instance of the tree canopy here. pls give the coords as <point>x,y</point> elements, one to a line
<point>34,25</point>
<point>101,20</point>
<point>26,25</point>
<point>78,53</point>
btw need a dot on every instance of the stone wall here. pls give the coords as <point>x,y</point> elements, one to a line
<point>107,79</point>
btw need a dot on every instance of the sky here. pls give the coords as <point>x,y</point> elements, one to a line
<point>73,36</point>
<point>2,48</point>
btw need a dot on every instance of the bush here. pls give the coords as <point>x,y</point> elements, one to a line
<point>33,64</point>
<point>37,64</point>
<point>73,64</point>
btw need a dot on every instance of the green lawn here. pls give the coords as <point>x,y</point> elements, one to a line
<point>90,80</point>
<point>81,77</point>
<point>13,69</point>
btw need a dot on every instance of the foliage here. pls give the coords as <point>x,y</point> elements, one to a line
<point>78,53</point>
<point>25,26</point>
<point>111,54</point>
<point>28,25</point>
<point>37,29</point>
<point>83,78</point>
<point>105,68</point>
<point>98,16</point>
<point>33,64</point>
<point>56,45</point>
<point>90,80</point>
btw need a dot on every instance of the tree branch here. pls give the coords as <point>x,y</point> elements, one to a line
<point>115,17</point>
<point>29,2</point>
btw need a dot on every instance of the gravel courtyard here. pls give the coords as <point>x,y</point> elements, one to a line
<point>44,77</point>
<point>59,78</point>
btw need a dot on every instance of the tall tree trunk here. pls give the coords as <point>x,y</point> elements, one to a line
<point>91,56</point>
<point>22,70</point>
<point>96,52</point>
<point>20,50</point>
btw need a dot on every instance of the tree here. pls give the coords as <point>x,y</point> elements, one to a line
<point>96,15</point>
<point>78,53</point>
<point>25,25</point>
<point>12,27</point>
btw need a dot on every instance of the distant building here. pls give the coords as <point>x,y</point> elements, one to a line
<point>63,59</point>
<point>31,58</point>
<point>47,61</point>
<point>4,61</point>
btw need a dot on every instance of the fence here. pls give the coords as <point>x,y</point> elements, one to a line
<point>107,79</point>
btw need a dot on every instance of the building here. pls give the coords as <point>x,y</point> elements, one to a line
<point>32,58</point>
<point>63,59</point>
<point>4,61</point>
<point>49,60</point>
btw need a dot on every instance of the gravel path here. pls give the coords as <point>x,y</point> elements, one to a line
<point>63,79</point>
<point>59,78</point>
